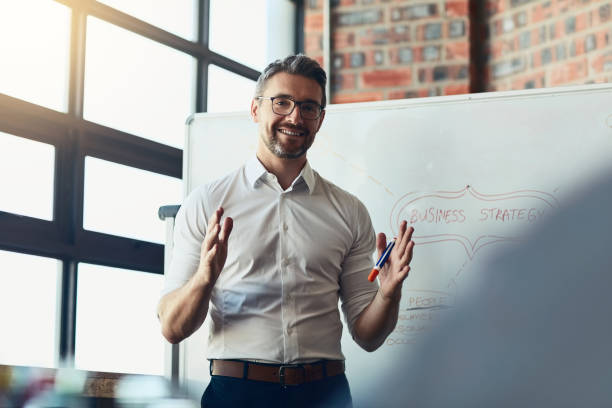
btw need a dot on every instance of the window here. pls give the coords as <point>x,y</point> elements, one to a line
<point>225,22</point>
<point>177,17</point>
<point>27,169</point>
<point>269,24</point>
<point>28,305</point>
<point>34,44</point>
<point>123,200</point>
<point>136,85</point>
<point>117,328</point>
<point>228,92</point>
<point>94,96</point>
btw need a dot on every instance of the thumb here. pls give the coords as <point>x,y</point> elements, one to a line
<point>381,243</point>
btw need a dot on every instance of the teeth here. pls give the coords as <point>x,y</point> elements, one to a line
<point>290,133</point>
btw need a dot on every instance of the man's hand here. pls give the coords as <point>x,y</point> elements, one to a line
<point>396,268</point>
<point>214,248</point>
<point>380,317</point>
<point>183,310</point>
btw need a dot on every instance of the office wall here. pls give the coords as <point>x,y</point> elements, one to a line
<point>536,44</point>
<point>392,50</point>
<point>383,49</point>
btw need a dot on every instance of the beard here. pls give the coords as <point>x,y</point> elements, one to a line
<point>276,147</point>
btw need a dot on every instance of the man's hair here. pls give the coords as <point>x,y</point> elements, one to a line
<point>298,64</point>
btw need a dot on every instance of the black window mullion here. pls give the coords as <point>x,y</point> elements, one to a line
<point>123,148</point>
<point>120,252</point>
<point>204,23</point>
<point>479,38</point>
<point>78,35</point>
<point>299,26</point>
<point>68,189</point>
<point>68,299</point>
<point>202,87</point>
<point>202,70</point>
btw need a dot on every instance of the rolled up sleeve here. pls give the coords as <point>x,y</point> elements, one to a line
<point>356,291</point>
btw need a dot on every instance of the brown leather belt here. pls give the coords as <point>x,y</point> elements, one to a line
<point>291,374</point>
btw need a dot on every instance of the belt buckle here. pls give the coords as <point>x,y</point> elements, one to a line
<point>281,372</point>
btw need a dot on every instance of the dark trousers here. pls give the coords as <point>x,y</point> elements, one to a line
<point>228,392</point>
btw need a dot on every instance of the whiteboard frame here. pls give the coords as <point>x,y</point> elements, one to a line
<point>397,104</point>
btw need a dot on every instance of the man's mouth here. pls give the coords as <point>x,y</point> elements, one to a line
<point>292,132</point>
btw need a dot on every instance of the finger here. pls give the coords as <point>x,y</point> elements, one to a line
<point>407,255</point>
<point>210,255</point>
<point>401,238</point>
<point>381,243</point>
<point>403,274</point>
<point>408,237</point>
<point>226,230</point>
<point>212,221</point>
<point>211,238</point>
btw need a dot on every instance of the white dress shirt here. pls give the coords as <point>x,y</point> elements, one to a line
<point>291,255</point>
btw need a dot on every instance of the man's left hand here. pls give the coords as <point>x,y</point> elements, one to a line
<point>396,268</point>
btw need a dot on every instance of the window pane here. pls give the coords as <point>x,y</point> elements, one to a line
<point>123,200</point>
<point>136,85</point>
<point>178,16</point>
<point>116,327</point>
<point>248,49</point>
<point>28,300</point>
<point>34,44</point>
<point>27,169</point>
<point>228,92</point>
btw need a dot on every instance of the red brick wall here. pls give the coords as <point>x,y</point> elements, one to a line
<point>535,43</point>
<point>313,29</point>
<point>382,49</point>
<point>388,49</point>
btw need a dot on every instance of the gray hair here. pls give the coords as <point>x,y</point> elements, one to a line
<point>298,64</point>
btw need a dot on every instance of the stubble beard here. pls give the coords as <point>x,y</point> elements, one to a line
<point>277,149</point>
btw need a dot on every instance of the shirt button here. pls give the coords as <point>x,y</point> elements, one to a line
<point>285,227</point>
<point>285,262</point>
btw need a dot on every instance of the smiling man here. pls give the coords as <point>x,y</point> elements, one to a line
<point>268,250</point>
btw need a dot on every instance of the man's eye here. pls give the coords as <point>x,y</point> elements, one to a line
<point>309,107</point>
<point>281,102</point>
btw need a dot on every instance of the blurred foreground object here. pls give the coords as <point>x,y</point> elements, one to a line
<point>537,330</point>
<point>32,387</point>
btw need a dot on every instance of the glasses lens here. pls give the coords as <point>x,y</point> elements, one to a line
<point>310,110</point>
<point>282,106</point>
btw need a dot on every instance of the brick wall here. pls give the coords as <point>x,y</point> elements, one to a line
<point>535,43</point>
<point>313,29</point>
<point>382,49</point>
<point>388,49</point>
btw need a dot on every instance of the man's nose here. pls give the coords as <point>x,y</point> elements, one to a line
<point>295,116</point>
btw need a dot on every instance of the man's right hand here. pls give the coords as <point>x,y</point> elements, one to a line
<point>214,249</point>
<point>183,310</point>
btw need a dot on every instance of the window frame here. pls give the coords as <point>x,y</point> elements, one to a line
<point>64,238</point>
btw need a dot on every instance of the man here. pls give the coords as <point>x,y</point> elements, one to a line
<point>272,281</point>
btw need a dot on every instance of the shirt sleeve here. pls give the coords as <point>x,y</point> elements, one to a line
<point>356,291</point>
<point>189,231</point>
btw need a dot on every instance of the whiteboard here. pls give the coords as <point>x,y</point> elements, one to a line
<point>472,173</point>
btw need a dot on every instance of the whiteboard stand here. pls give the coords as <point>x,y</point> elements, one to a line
<point>172,352</point>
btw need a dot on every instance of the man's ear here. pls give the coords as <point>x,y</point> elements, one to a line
<point>254,110</point>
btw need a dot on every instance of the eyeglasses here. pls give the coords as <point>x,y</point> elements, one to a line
<point>282,105</point>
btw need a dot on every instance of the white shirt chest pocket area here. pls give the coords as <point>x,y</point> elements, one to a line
<point>251,246</point>
<point>322,249</point>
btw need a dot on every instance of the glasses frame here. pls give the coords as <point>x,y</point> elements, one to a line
<point>295,103</point>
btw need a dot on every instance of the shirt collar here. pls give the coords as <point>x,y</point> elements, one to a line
<point>307,174</point>
<point>255,171</point>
